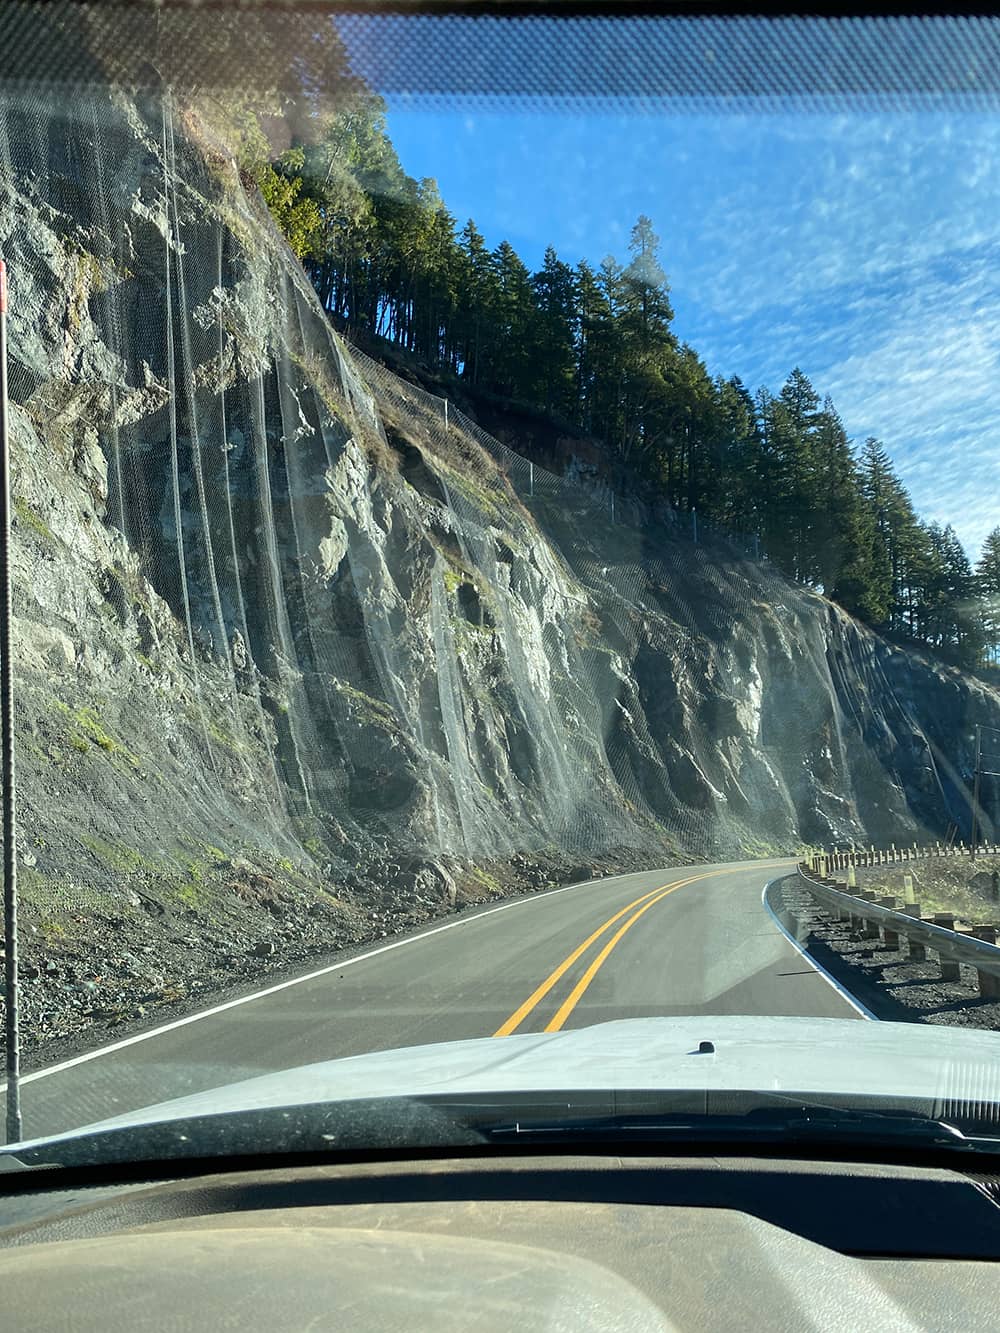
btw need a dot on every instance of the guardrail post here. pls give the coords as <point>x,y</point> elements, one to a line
<point>891,936</point>
<point>879,914</point>
<point>949,968</point>
<point>917,951</point>
<point>989,985</point>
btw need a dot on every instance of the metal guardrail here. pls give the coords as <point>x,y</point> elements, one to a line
<point>893,855</point>
<point>878,919</point>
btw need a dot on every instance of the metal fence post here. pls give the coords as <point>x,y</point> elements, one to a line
<point>7,753</point>
<point>975,787</point>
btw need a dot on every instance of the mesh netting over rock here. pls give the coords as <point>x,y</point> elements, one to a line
<point>271,595</point>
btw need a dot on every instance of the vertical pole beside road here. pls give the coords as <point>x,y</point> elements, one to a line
<point>975,787</point>
<point>7,754</point>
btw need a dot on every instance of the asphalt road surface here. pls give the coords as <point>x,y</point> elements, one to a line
<point>679,941</point>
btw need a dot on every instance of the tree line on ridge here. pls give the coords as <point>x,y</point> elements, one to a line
<point>594,348</point>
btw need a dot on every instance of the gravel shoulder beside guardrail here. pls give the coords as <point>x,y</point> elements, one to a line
<point>941,884</point>
<point>891,984</point>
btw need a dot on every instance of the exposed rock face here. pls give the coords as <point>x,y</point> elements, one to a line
<point>270,610</point>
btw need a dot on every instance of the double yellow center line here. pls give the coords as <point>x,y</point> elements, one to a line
<point>642,904</point>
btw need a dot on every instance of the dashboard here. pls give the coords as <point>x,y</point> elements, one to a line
<point>511,1241</point>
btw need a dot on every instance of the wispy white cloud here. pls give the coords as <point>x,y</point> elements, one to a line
<point>864,248</point>
<point>879,274</point>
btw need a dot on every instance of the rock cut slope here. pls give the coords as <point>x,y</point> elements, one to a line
<point>297,662</point>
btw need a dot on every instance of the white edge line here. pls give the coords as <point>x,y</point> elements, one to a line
<point>842,991</point>
<point>298,981</point>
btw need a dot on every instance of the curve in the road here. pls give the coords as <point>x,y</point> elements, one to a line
<point>568,1005</point>
<point>712,950</point>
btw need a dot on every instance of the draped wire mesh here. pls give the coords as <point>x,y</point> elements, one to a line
<point>221,433</point>
<point>331,674</point>
<point>585,521</point>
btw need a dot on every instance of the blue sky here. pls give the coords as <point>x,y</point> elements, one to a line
<point>864,248</point>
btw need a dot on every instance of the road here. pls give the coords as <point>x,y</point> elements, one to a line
<point>678,941</point>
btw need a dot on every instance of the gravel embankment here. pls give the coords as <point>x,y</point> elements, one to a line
<point>943,884</point>
<point>884,980</point>
<point>147,957</point>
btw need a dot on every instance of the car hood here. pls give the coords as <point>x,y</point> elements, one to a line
<point>815,1057</point>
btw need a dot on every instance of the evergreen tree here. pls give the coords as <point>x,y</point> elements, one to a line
<point>988,590</point>
<point>514,320</point>
<point>646,310</point>
<point>843,528</point>
<point>645,346</point>
<point>598,349</point>
<point>554,354</point>
<point>790,498</point>
<point>964,617</point>
<point>476,301</point>
<point>737,496</point>
<point>800,401</point>
<point>594,330</point>
<point>897,539</point>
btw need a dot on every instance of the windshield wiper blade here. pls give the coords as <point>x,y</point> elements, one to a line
<point>798,1124</point>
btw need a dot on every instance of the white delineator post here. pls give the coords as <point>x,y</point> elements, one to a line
<point>7,754</point>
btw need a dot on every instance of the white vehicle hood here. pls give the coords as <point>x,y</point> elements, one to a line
<point>809,1056</point>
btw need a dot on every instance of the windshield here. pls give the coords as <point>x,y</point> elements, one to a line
<point>504,552</point>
